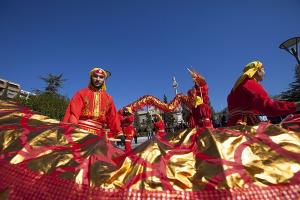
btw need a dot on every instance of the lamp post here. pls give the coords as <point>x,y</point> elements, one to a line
<point>291,46</point>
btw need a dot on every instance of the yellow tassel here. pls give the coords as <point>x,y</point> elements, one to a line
<point>129,110</point>
<point>249,71</point>
<point>198,101</point>
<point>103,86</point>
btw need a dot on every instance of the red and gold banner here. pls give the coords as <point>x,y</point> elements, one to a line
<point>41,158</point>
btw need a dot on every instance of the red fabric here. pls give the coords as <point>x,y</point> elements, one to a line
<point>127,126</point>
<point>204,90</point>
<point>120,114</point>
<point>201,90</point>
<point>191,121</point>
<point>201,115</point>
<point>82,106</point>
<point>99,71</point>
<point>291,122</point>
<point>160,125</point>
<point>21,183</point>
<point>127,120</point>
<point>250,99</point>
<point>128,130</point>
<point>128,145</point>
<point>159,128</point>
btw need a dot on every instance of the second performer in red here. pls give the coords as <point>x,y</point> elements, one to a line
<point>127,121</point>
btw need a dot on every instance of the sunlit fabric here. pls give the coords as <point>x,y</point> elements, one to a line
<point>41,158</point>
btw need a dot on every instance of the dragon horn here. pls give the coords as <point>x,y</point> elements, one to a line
<point>192,73</point>
<point>196,76</point>
<point>189,70</point>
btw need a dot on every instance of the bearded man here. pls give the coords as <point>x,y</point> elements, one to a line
<point>93,109</point>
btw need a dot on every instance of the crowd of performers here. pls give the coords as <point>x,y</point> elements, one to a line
<point>74,159</point>
<point>92,108</point>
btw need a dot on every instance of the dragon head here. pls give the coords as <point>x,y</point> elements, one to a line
<point>198,79</point>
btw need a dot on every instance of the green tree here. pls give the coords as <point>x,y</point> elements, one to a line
<point>221,117</point>
<point>168,116</point>
<point>213,112</point>
<point>293,93</point>
<point>185,113</point>
<point>53,106</point>
<point>48,102</point>
<point>53,83</point>
<point>165,99</point>
<point>136,123</point>
<point>149,122</point>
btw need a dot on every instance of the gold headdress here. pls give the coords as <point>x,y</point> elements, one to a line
<point>249,70</point>
<point>98,70</point>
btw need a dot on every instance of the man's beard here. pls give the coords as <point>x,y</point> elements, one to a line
<point>96,87</point>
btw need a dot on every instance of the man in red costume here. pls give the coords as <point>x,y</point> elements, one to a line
<point>127,121</point>
<point>93,109</point>
<point>198,95</point>
<point>159,126</point>
<point>248,98</point>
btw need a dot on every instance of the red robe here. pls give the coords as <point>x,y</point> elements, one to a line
<point>159,128</point>
<point>96,108</point>
<point>250,99</point>
<point>128,130</point>
<point>127,126</point>
<point>202,113</point>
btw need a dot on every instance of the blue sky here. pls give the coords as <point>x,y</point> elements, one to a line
<point>145,43</point>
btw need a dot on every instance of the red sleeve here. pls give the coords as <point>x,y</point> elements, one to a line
<point>120,117</point>
<point>191,121</point>
<point>156,126</point>
<point>75,107</point>
<point>160,125</point>
<point>264,104</point>
<point>130,119</point>
<point>67,114</point>
<point>112,118</point>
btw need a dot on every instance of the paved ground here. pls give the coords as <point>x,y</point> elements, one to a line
<point>140,140</point>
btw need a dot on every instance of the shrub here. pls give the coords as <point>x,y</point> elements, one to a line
<point>51,105</point>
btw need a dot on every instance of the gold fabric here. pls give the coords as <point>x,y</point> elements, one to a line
<point>189,160</point>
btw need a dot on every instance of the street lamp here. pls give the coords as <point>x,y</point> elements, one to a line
<point>291,46</point>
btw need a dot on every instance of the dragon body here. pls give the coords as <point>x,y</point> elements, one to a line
<point>197,101</point>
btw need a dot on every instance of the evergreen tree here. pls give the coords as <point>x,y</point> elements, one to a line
<point>136,123</point>
<point>48,102</point>
<point>149,123</point>
<point>53,83</point>
<point>213,112</point>
<point>293,93</point>
<point>168,116</point>
<point>165,99</point>
<point>53,106</point>
<point>185,113</point>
